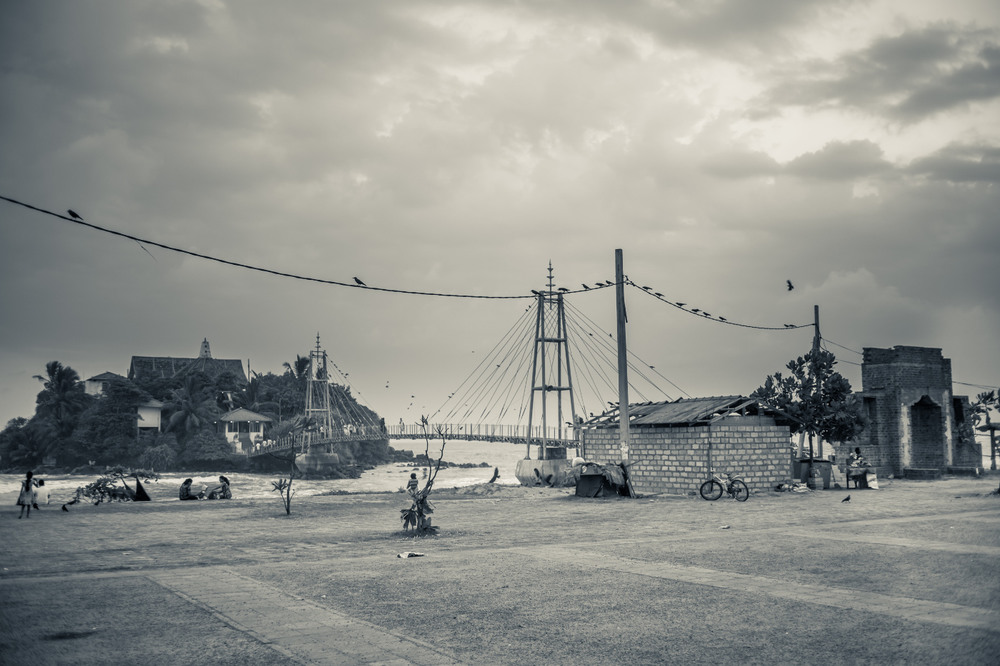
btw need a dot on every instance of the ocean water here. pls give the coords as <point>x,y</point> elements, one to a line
<point>384,478</point>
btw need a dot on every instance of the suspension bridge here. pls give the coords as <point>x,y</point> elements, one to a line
<point>522,391</point>
<point>546,380</point>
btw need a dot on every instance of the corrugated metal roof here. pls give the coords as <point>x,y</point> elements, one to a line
<point>687,411</point>
<point>684,411</point>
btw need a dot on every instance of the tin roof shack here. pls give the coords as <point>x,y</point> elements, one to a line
<point>675,445</point>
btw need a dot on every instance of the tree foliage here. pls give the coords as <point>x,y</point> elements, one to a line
<point>417,516</point>
<point>192,407</point>
<point>818,397</point>
<point>62,400</point>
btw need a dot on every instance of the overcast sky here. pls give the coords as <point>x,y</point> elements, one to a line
<point>458,147</point>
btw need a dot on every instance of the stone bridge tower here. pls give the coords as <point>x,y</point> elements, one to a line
<point>913,418</point>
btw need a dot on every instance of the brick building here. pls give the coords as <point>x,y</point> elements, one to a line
<point>914,421</point>
<point>675,445</point>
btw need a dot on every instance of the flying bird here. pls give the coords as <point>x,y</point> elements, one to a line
<point>846,499</point>
<point>360,283</point>
<point>74,215</point>
<point>790,285</point>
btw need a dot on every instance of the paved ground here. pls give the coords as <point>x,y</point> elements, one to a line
<point>905,574</point>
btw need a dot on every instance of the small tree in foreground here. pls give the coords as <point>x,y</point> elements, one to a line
<point>417,516</point>
<point>290,429</point>
<point>819,398</point>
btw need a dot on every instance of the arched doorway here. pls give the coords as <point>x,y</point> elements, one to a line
<point>927,428</point>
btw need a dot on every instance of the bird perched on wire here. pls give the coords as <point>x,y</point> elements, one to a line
<point>679,304</point>
<point>846,499</point>
<point>584,286</point>
<point>360,283</point>
<point>74,215</point>
<point>790,285</point>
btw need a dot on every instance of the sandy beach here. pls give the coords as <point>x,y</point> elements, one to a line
<point>905,574</point>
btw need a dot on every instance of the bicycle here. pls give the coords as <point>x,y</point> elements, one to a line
<point>713,488</point>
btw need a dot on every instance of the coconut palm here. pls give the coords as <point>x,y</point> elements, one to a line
<point>299,369</point>
<point>63,398</point>
<point>193,408</point>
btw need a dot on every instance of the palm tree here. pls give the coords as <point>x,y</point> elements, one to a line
<point>253,398</point>
<point>63,398</point>
<point>193,408</point>
<point>299,369</point>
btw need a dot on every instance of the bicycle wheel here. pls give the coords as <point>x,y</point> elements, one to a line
<point>740,491</point>
<point>711,490</point>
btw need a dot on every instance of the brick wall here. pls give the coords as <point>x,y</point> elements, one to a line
<point>674,460</point>
<point>894,382</point>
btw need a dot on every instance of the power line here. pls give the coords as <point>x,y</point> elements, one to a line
<point>250,267</point>
<point>718,320</point>
<point>855,351</point>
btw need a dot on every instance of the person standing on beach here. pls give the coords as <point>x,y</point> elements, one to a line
<point>27,495</point>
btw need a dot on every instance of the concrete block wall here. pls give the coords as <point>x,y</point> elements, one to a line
<point>674,460</point>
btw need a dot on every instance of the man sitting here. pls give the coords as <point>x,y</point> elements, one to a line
<point>860,470</point>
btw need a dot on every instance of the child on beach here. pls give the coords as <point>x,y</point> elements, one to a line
<point>27,495</point>
<point>41,494</point>
<point>411,485</point>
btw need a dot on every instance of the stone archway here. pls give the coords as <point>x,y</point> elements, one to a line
<point>927,430</point>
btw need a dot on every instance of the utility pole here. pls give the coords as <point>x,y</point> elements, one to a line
<point>622,318</point>
<point>817,388</point>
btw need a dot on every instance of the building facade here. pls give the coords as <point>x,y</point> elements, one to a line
<point>675,446</point>
<point>916,426</point>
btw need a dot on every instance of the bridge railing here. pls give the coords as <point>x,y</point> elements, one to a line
<point>301,440</point>
<point>464,431</point>
<point>482,431</point>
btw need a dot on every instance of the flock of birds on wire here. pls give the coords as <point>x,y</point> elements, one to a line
<point>358,282</point>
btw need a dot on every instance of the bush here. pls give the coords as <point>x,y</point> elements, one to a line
<point>161,457</point>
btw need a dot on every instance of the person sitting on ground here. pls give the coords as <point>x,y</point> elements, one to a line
<point>41,493</point>
<point>221,491</point>
<point>186,493</point>
<point>860,470</point>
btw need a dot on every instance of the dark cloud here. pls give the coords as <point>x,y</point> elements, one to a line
<point>741,164</point>
<point>960,163</point>
<point>907,77</point>
<point>458,147</point>
<point>726,25</point>
<point>840,161</point>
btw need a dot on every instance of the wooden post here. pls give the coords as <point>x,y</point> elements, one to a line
<point>623,425</point>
